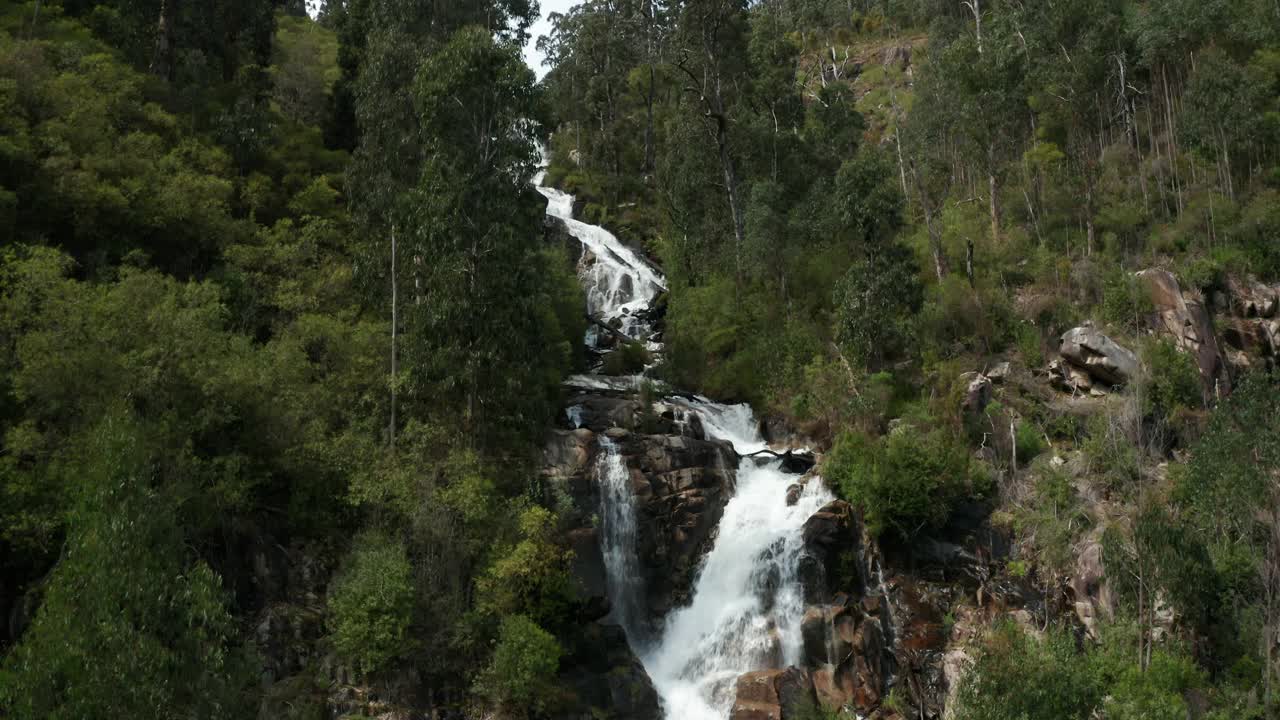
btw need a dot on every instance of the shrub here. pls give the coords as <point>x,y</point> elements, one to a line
<point>1028,440</point>
<point>1053,518</point>
<point>628,359</point>
<point>961,319</point>
<point>1124,302</point>
<point>1156,694</point>
<point>531,577</point>
<point>1030,344</point>
<point>905,481</point>
<point>1110,449</point>
<point>1175,379</point>
<point>521,674</point>
<point>371,603</point>
<point>1016,676</point>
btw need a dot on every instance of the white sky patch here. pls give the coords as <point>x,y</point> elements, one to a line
<point>543,27</point>
<point>540,27</point>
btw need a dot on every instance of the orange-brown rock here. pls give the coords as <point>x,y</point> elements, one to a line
<point>772,694</point>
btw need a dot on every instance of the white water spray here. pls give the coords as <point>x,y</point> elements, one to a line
<point>619,282</point>
<point>618,540</point>
<point>747,603</point>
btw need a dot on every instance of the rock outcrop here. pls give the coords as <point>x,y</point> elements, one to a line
<point>606,677</point>
<point>829,535</point>
<point>681,485</point>
<point>772,695</point>
<point>1251,328</point>
<point>845,644</point>
<point>1185,319</point>
<point>1087,349</point>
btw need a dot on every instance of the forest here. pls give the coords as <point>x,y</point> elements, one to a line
<point>286,323</point>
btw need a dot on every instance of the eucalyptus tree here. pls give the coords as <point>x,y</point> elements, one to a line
<point>711,56</point>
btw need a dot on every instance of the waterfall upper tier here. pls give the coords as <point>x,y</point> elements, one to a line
<point>620,284</point>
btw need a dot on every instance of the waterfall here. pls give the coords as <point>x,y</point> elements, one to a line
<point>746,603</point>
<point>618,541</point>
<point>618,281</point>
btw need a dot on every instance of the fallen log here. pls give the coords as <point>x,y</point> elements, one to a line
<point>605,326</point>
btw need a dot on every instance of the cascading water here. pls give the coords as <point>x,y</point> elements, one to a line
<point>747,602</point>
<point>618,540</point>
<point>619,282</point>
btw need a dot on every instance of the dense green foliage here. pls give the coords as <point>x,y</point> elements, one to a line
<point>372,603</point>
<point>1016,676</point>
<point>278,335</point>
<point>906,481</point>
<point>521,674</point>
<point>195,327</point>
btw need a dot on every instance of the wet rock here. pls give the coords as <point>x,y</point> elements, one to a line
<point>829,632</point>
<point>588,568</point>
<point>857,682</point>
<point>605,676</point>
<point>828,534</point>
<point>682,484</point>
<point>599,413</point>
<point>1101,357</point>
<point>772,694</point>
<point>793,493</point>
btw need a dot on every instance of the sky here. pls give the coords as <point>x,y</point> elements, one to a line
<point>542,27</point>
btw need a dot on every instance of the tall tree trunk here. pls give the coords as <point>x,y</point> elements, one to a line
<point>994,206</point>
<point>968,271</point>
<point>162,62</point>
<point>395,321</point>
<point>731,191</point>
<point>649,152</point>
<point>935,234</point>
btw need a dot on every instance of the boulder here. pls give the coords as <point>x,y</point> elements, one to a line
<point>977,395</point>
<point>829,532</point>
<point>793,493</point>
<point>1252,299</point>
<point>1185,319</point>
<point>1101,357</point>
<point>999,372</point>
<point>772,694</point>
<point>605,675</point>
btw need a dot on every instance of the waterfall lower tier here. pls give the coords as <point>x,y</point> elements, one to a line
<point>618,541</point>
<point>747,603</point>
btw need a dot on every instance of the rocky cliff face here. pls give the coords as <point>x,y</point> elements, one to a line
<point>681,483</point>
